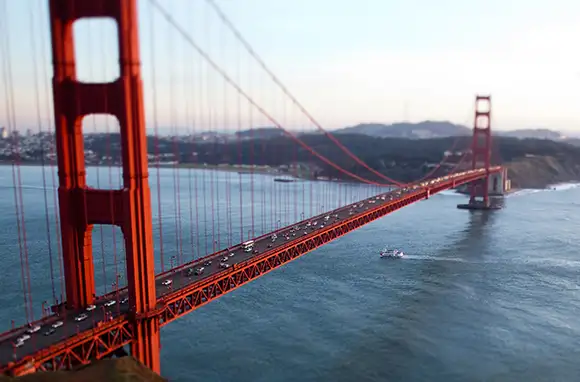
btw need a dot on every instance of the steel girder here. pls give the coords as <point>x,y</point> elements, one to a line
<point>451,183</point>
<point>190,298</point>
<point>99,342</point>
<point>81,349</point>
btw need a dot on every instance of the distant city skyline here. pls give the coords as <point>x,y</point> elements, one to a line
<point>385,62</point>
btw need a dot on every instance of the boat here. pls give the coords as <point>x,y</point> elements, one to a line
<point>284,180</point>
<point>392,253</point>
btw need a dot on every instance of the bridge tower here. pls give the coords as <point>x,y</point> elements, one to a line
<point>481,149</point>
<point>479,191</point>
<point>81,206</point>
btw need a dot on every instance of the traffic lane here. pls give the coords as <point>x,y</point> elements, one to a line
<point>179,279</point>
<point>71,327</point>
<point>40,341</point>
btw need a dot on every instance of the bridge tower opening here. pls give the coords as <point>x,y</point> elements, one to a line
<point>479,191</point>
<point>80,206</point>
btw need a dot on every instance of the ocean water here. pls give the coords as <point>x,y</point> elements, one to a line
<point>480,297</point>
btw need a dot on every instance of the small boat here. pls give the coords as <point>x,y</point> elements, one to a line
<point>392,253</point>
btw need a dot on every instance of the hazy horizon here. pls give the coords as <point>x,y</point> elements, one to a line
<point>186,130</point>
<point>386,62</point>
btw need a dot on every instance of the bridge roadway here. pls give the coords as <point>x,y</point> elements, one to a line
<point>70,327</point>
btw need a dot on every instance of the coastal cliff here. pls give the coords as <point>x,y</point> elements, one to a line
<point>541,171</point>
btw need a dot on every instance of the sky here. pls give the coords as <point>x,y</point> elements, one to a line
<point>346,61</point>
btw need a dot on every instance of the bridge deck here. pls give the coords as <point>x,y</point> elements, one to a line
<point>78,342</point>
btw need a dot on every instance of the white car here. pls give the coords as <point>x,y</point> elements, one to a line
<point>91,307</point>
<point>167,282</point>
<point>224,265</point>
<point>110,303</point>
<point>33,329</point>
<point>57,324</point>
<point>81,317</point>
<point>23,338</point>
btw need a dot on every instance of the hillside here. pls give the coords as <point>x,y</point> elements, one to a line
<point>533,133</point>
<point>439,129</point>
<point>421,130</point>
<point>259,133</point>
<point>398,158</point>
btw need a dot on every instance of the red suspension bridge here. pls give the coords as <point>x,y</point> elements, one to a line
<point>85,319</point>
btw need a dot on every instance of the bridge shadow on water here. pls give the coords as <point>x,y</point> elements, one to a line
<point>418,335</point>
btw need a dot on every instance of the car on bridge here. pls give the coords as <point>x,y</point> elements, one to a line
<point>81,317</point>
<point>33,329</point>
<point>49,331</point>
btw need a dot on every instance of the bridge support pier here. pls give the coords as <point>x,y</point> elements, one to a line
<point>80,206</point>
<point>479,195</point>
<point>146,347</point>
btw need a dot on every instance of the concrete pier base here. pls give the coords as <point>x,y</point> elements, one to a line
<point>479,206</point>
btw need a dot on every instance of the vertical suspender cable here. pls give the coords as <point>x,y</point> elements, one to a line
<point>152,37</point>
<point>42,152</point>
<point>52,149</point>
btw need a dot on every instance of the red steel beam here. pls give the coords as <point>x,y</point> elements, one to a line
<point>80,206</point>
<point>105,339</point>
<point>81,349</point>
<point>198,294</point>
<point>112,295</point>
<point>481,147</point>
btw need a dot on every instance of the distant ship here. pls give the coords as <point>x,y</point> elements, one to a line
<point>284,180</point>
<point>392,253</point>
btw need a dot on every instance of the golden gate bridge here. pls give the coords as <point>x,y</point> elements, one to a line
<point>85,320</point>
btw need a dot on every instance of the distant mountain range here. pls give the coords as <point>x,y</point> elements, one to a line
<point>420,130</point>
<point>441,129</point>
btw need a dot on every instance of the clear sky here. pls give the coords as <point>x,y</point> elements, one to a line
<point>346,61</point>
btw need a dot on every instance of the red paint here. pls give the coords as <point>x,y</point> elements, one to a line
<point>80,206</point>
<point>481,148</point>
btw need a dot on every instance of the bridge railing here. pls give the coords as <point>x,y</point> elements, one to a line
<point>113,294</point>
<point>413,194</point>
